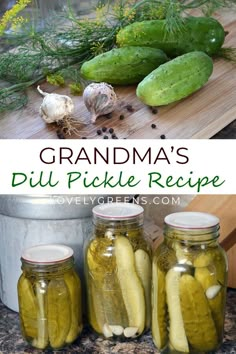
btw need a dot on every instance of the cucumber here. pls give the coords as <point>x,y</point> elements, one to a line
<point>123,66</point>
<point>199,34</point>
<point>176,79</point>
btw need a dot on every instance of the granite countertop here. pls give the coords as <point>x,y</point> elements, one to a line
<point>89,343</point>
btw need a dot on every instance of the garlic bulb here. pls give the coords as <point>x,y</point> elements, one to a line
<point>100,99</point>
<point>55,107</point>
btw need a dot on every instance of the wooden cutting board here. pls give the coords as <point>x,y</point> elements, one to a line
<point>224,207</point>
<point>201,115</point>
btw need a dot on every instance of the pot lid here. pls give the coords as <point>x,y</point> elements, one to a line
<point>48,207</point>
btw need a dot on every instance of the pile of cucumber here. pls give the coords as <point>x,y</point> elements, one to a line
<point>167,67</point>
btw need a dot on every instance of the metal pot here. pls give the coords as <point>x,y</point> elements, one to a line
<point>31,220</point>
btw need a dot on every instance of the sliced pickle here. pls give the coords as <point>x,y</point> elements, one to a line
<point>198,321</point>
<point>177,333</point>
<point>144,270</point>
<point>41,342</point>
<point>59,313</point>
<point>159,311</point>
<point>28,307</point>
<point>131,287</point>
<point>73,283</point>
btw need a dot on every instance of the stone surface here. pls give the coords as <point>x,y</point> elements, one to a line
<point>12,342</point>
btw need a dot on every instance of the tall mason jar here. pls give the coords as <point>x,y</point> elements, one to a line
<point>49,294</point>
<point>118,272</point>
<point>189,281</point>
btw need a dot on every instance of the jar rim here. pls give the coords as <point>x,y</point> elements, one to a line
<point>189,220</point>
<point>117,211</point>
<point>47,254</point>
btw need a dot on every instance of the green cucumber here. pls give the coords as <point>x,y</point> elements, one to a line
<point>199,34</point>
<point>123,66</point>
<point>176,79</point>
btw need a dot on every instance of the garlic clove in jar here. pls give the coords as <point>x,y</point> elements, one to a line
<point>55,107</point>
<point>100,99</point>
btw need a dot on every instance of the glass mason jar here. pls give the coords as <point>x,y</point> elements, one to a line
<point>189,283</point>
<point>118,272</point>
<point>49,294</point>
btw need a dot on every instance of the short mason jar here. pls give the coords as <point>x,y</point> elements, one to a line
<point>49,294</point>
<point>189,283</point>
<point>118,272</point>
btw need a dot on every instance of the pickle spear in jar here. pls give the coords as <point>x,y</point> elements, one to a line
<point>27,307</point>
<point>144,270</point>
<point>59,313</point>
<point>198,321</point>
<point>73,283</point>
<point>209,278</point>
<point>41,341</point>
<point>131,287</point>
<point>177,333</point>
<point>159,311</point>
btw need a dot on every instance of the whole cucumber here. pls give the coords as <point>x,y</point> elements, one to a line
<point>199,34</point>
<point>176,79</point>
<point>123,66</point>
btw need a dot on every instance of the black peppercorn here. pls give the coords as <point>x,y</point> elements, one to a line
<point>163,136</point>
<point>153,126</point>
<point>122,117</point>
<point>104,129</point>
<point>111,130</point>
<point>105,137</point>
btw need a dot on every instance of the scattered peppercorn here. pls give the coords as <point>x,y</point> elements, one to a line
<point>104,129</point>
<point>113,136</point>
<point>105,137</point>
<point>84,137</point>
<point>122,117</point>
<point>99,132</point>
<point>154,110</point>
<point>129,108</point>
<point>111,130</point>
<point>153,126</point>
<point>60,134</point>
<point>163,136</point>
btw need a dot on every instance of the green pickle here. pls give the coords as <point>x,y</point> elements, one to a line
<point>59,312</point>
<point>27,307</point>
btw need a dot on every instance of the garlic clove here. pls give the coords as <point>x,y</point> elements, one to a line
<point>100,99</point>
<point>55,107</point>
<point>107,331</point>
<point>130,331</point>
<point>116,329</point>
<point>212,291</point>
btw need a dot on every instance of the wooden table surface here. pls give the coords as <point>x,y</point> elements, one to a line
<point>202,115</point>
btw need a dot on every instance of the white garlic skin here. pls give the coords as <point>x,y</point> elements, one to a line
<point>55,107</point>
<point>100,99</point>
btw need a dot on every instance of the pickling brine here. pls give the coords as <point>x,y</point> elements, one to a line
<point>189,281</point>
<point>49,294</point>
<point>118,272</point>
